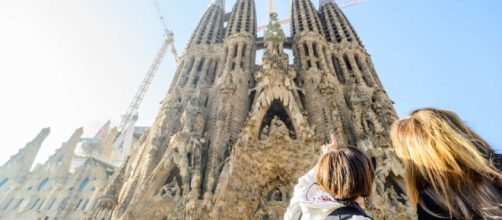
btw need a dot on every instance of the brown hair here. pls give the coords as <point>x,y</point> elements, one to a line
<point>345,173</point>
<point>449,162</point>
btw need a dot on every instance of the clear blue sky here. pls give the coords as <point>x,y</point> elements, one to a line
<point>67,64</point>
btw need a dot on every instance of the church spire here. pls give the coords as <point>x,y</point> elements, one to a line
<point>336,26</point>
<point>304,18</point>
<point>195,65</point>
<point>242,18</point>
<point>210,28</point>
<point>220,3</point>
<point>322,2</point>
<point>103,131</point>
<point>59,163</point>
<point>22,162</point>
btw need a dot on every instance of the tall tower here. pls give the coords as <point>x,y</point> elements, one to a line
<point>231,93</point>
<point>21,163</point>
<point>232,136</point>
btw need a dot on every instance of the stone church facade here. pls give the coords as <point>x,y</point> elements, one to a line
<point>232,136</point>
<point>69,183</point>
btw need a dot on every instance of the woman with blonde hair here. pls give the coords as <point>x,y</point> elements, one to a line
<point>450,170</point>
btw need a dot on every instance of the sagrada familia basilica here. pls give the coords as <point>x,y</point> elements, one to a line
<point>232,135</point>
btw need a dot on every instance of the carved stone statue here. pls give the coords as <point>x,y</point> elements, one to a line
<point>278,127</point>
<point>274,36</point>
<point>264,133</point>
<point>171,189</point>
<point>276,195</point>
<point>193,119</point>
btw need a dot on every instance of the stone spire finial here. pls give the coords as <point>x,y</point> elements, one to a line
<point>22,162</point>
<point>103,132</point>
<point>274,35</point>
<point>323,2</point>
<point>220,3</point>
<point>68,151</point>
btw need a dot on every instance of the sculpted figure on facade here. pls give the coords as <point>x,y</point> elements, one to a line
<point>274,37</point>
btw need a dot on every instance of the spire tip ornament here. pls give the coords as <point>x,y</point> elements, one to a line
<point>323,2</point>
<point>220,3</point>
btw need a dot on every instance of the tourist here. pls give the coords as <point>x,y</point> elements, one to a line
<point>450,170</point>
<point>335,188</point>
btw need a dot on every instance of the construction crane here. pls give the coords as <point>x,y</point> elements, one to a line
<point>147,80</point>
<point>288,20</point>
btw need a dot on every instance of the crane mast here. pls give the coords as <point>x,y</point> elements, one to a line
<point>143,88</point>
<point>147,80</point>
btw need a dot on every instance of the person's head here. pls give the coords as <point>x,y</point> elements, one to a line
<point>442,154</point>
<point>345,173</point>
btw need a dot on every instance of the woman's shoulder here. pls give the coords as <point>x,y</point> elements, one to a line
<point>354,217</point>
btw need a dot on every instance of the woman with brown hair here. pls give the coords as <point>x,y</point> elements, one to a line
<point>450,170</point>
<point>335,188</point>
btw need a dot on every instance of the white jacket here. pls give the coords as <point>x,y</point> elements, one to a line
<point>310,203</point>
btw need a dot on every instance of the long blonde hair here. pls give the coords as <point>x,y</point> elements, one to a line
<point>448,162</point>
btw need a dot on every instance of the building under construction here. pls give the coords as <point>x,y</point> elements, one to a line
<point>232,135</point>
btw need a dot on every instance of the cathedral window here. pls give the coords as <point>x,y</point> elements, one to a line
<point>212,76</point>
<point>358,62</point>
<point>43,184</point>
<point>367,80</point>
<point>195,81</point>
<point>95,205</point>
<point>51,204</point>
<point>244,48</point>
<point>3,182</point>
<point>225,55</point>
<point>201,64</point>
<point>306,49</point>
<point>366,74</point>
<point>235,51</point>
<point>78,204</point>
<point>63,203</point>
<point>347,62</point>
<point>314,47</point>
<point>40,204</point>
<point>190,64</point>
<point>338,70</point>
<point>189,158</point>
<point>18,204</point>
<point>83,184</point>
<point>252,94</point>
<point>8,203</point>
<point>347,101</point>
<point>85,204</point>
<point>302,98</point>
